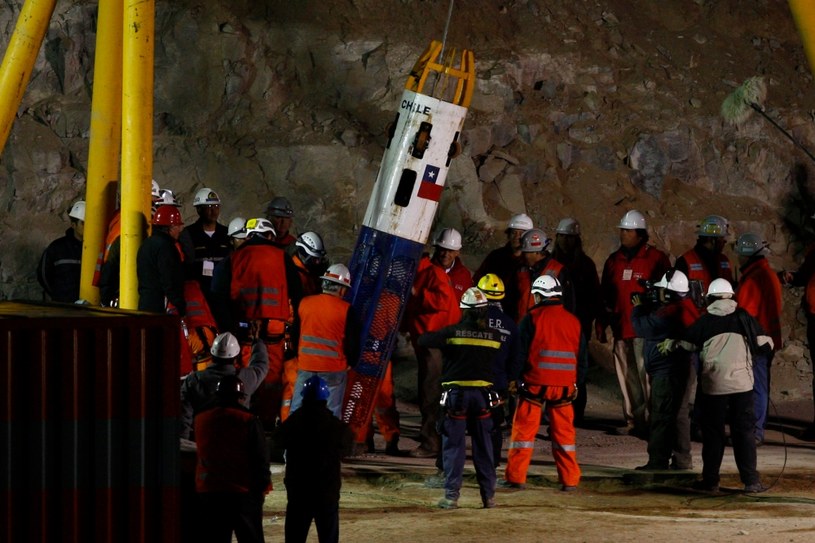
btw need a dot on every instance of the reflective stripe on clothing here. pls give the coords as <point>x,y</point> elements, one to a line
<point>472,341</point>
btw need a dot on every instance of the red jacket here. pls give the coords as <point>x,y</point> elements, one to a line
<point>259,285</point>
<point>525,279</point>
<point>696,270</point>
<point>621,279</point>
<point>311,283</point>
<point>552,353</point>
<point>460,277</point>
<point>322,331</point>
<point>759,293</point>
<point>433,303</point>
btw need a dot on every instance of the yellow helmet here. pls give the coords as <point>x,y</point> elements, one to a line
<point>492,286</point>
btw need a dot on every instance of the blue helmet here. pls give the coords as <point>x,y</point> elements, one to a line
<point>315,389</point>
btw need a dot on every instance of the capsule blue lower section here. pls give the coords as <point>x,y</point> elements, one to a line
<point>382,271</point>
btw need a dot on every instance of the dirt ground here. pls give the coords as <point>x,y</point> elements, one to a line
<point>386,498</point>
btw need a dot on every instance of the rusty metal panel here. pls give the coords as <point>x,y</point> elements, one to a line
<point>88,424</point>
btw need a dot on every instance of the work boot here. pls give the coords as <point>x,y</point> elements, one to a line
<point>446,503</point>
<point>392,447</point>
<point>568,488</point>
<point>755,488</point>
<point>488,503</point>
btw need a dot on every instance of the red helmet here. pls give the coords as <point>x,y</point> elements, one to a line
<point>167,216</point>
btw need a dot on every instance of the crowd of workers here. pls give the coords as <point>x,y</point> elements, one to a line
<point>266,319</point>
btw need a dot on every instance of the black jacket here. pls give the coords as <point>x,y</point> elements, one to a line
<point>158,266</point>
<point>59,268</point>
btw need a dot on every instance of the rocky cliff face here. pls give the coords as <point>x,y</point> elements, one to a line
<point>583,109</point>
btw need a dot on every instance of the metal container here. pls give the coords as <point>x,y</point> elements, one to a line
<point>89,446</point>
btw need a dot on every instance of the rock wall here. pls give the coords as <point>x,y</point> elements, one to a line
<point>582,109</point>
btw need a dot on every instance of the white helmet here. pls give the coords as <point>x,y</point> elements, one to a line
<point>225,346</point>
<point>520,222</point>
<point>78,211</point>
<point>547,286</point>
<point>166,198</point>
<point>633,220</point>
<point>568,226</point>
<point>205,197</point>
<point>674,280</point>
<point>534,241</point>
<point>311,243</point>
<point>750,244</point>
<point>721,288</point>
<point>237,228</point>
<point>713,226</point>
<point>155,190</point>
<point>449,239</point>
<point>259,226</point>
<point>473,297</point>
<point>338,273</point>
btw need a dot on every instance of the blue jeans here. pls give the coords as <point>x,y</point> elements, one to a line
<point>761,392</point>
<point>336,386</point>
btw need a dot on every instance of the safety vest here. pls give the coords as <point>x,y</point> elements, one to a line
<point>698,272</point>
<point>259,282</point>
<point>222,438</point>
<point>552,359</point>
<point>551,267</point>
<point>322,333</point>
<point>114,231</point>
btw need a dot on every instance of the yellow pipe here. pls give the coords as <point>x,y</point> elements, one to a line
<point>137,139</point>
<point>803,11</point>
<point>19,59</point>
<point>105,141</point>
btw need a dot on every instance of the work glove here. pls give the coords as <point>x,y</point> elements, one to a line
<point>513,387</point>
<point>666,346</point>
<point>636,300</point>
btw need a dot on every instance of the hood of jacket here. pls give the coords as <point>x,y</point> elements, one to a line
<point>722,307</point>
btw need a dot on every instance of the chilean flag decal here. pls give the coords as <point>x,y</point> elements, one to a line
<point>428,189</point>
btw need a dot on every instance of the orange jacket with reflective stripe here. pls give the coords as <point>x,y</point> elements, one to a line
<point>259,286</point>
<point>114,231</point>
<point>198,313</point>
<point>552,354</point>
<point>525,301</point>
<point>322,333</point>
<point>759,293</point>
<point>698,272</point>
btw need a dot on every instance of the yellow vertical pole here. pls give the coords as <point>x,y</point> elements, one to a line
<point>105,141</point>
<point>18,62</point>
<point>803,11</point>
<point>137,139</point>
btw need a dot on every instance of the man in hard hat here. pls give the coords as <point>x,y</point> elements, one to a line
<point>507,260</point>
<point>539,261</point>
<point>656,317</point>
<point>588,305</point>
<point>232,472</point>
<point>433,304</point>
<point>702,263</point>
<point>199,387</point>
<point>315,442</point>
<point>264,285</point>
<point>281,215</point>
<point>727,338</point>
<point>446,255</point>
<point>310,260</point>
<point>329,338</point>
<point>550,342</point>
<point>625,273</point>
<point>158,265</point>
<point>507,363</point>
<point>759,293</point>
<point>206,241</point>
<point>59,269</point>
<point>468,350</point>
